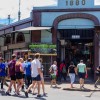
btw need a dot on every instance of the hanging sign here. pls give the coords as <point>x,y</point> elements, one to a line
<point>75,36</point>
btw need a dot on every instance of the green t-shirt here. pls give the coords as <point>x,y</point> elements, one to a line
<point>81,67</point>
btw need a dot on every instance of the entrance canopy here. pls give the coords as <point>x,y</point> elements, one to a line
<point>33,29</point>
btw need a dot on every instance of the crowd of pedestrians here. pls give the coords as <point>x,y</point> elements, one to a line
<point>28,75</point>
<point>24,75</point>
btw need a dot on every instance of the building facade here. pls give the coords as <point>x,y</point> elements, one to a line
<point>14,42</point>
<point>75,28</point>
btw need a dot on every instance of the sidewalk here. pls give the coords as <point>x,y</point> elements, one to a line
<point>87,81</point>
<point>66,86</point>
<point>62,91</point>
<point>89,85</point>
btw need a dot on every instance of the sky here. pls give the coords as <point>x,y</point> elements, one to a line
<point>11,7</point>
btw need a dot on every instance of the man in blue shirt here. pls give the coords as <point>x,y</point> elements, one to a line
<point>2,73</point>
<point>28,72</point>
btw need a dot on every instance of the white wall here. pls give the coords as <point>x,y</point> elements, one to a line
<point>27,37</point>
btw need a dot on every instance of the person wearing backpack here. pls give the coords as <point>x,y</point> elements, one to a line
<point>63,72</point>
<point>53,73</point>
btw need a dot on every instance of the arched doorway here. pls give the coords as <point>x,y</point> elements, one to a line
<point>20,38</point>
<point>77,39</point>
<point>20,52</point>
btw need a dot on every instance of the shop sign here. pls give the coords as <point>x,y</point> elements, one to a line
<point>42,48</point>
<point>52,46</point>
<point>75,36</point>
<point>75,2</point>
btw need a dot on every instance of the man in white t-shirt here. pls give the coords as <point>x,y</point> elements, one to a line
<point>35,73</point>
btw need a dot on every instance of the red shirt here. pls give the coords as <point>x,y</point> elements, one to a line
<point>61,66</point>
<point>17,68</point>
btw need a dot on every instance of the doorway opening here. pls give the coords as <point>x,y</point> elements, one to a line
<point>79,45</point>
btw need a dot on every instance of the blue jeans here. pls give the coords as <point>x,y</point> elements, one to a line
<point>72,77</point>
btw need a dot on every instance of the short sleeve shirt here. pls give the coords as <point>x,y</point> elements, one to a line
<point>71,69</point>
<point>28,68</point>
<point>2,69</point>
<point>11,67</point>
<point>81,67</point>
<point>54,67</point>
<point>23,66</point>
<point>35,64</point>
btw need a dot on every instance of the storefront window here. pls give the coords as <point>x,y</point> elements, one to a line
<point>8,39</point>
<point>20,37</point>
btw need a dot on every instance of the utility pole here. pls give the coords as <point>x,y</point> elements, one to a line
<point>8,19</point>
<point>19,13</point>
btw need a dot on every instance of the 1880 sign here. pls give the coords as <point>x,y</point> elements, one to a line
<point>75,2</point>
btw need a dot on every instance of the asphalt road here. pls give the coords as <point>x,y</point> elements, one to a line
<point>63,92</point>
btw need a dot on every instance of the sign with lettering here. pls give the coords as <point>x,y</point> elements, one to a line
<point>75,2</point>
<point>75,36</point>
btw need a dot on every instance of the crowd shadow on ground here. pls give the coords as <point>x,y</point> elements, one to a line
<point>23,96</point>
<point>82,90</point>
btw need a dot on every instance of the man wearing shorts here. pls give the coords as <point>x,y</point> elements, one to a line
<point>2,73</point>
<point>35,73</point>
<point>82,71</point>
<point>11,73</point>
<point>28,73</point>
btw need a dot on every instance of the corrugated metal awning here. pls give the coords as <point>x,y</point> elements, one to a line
<point>33,28</point>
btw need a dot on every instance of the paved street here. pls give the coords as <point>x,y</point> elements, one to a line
<point>63,92</point>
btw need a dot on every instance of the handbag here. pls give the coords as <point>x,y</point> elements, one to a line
<point>86,75</point>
